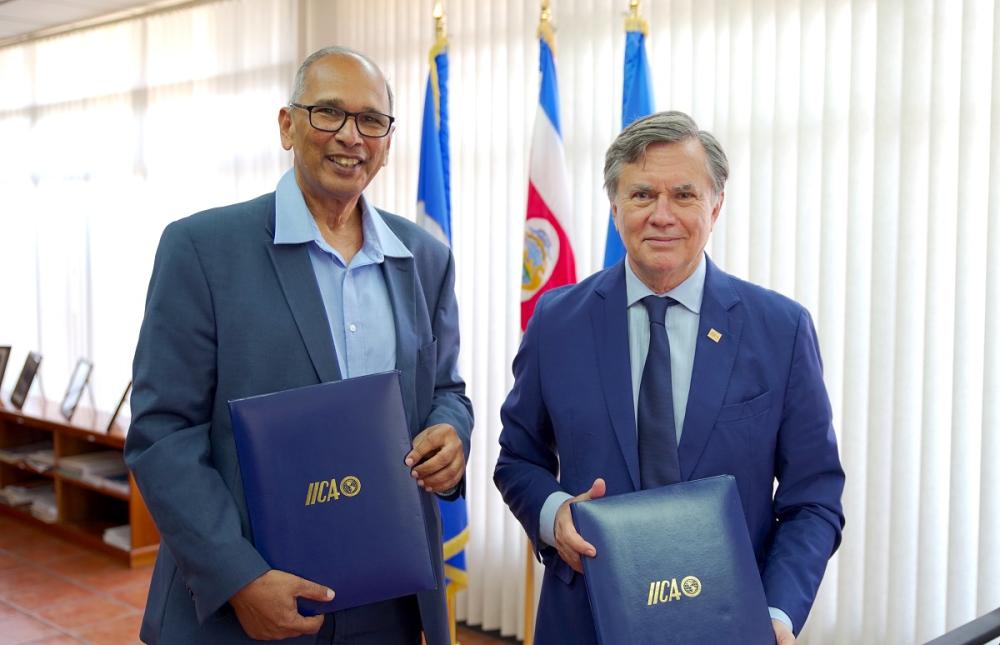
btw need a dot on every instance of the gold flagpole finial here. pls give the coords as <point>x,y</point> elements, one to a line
<point>633,21</point>
<point>546,17</point>
<point>439,26</point>
<point>545,29</point>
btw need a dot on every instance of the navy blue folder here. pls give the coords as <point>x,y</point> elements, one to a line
<point>674,564</point>
<point>328,494</point>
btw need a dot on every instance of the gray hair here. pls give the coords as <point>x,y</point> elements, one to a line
<point>662,127</point>
<point>299,84</point>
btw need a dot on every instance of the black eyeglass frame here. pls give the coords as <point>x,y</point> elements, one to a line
<point>347,115</point>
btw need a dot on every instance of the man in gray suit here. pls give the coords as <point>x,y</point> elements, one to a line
<point>304,285</point>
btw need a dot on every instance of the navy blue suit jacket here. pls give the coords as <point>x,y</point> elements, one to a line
<point>229,314</point>
<point>757,409</point>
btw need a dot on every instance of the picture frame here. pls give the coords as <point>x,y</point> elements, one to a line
<point>77,383</point>
<point>24,381</point>
<point>118,408</point>
<point>4,357</point>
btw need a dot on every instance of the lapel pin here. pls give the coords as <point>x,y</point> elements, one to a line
<point>714,335</point>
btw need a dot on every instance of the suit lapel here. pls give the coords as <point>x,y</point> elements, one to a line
<point>713,365</point>
<point>298,282</point>
<point>400,279</point>
<point>609,316</point>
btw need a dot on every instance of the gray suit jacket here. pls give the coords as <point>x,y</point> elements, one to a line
<point>228,315</point>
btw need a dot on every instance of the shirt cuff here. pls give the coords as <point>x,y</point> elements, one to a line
<point>777,614</point>
<point>547,518</point>
<point>447,493</point>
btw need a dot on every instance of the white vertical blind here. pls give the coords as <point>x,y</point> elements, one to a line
<point>107,135</point>
<point>965,579</point>
<point>864,139</point>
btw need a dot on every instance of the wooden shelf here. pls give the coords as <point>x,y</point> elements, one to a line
<point>87,424</point>
<point>85,509</point>
<point>27,468</point>
<point>97,488</point>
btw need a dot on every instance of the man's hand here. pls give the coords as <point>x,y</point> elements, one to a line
<point>782,634</point>
<point>266,607</point>
<point>569,544</point>
<point>437,459</point>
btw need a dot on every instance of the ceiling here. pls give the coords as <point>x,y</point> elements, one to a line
<point>19,18</point>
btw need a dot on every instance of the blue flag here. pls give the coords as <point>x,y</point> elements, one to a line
<point>434,214</point>
<point>433,180</point>
<point>637,101</point>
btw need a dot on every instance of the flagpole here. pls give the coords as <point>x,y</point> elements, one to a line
<point>544,32</point>
<point>440,42</point>
<point>434,214</point>
<point>548,261</point>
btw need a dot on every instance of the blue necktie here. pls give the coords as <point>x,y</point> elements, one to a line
<point>658,462</point>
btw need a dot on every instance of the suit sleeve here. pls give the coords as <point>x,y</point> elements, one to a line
<point>168,447</point>
<point>450,404</point>
<point>807,507</point>
<point>527,468</point>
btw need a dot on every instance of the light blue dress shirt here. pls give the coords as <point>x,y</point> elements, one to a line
<point>355,295</point>
<point>682,331</point>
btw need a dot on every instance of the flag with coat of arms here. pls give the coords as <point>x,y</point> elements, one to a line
<point>548,255</point>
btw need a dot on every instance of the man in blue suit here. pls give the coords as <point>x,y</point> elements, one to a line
<point>304,285</point>
<point>740,366</point>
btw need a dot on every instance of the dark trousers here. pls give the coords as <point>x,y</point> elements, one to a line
<point>382,623</point>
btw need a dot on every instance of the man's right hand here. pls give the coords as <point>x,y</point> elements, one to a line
<point>267,610</point>
<point>569,543</point>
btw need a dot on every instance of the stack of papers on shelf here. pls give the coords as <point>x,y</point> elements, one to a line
<point>105,469</point>
<point>22,494</point>
<point>101,463</point>
<point>41,460</point>
<point>119,536</point>
<point>18,454</point>
<point>44,507</point>
<point>40,495</point>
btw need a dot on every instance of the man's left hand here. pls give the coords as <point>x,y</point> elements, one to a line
<point>437,459</point>
<point>782,634</point>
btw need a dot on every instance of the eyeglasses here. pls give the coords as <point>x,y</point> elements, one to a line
<point>331,119</point>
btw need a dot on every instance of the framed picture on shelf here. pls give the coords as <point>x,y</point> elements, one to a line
<point>77,383</point>
<point>4,355</point>
<point>24,381</point>
<point>122,405</point>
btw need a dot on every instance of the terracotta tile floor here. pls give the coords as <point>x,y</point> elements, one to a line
<point>52,591</point>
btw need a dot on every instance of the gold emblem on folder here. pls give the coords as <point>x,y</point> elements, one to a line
<point>664,591</point>
<point>350,486</point>
<point>714,335</point>
<point>327,490</point>
<point>691,586</point>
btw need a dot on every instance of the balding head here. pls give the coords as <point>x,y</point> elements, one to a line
<point>299,84</point>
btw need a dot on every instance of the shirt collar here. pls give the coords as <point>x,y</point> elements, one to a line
<point>294,224</point>
<point>688,293</point>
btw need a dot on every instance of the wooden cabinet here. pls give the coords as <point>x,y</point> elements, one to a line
<point>84,509</point>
